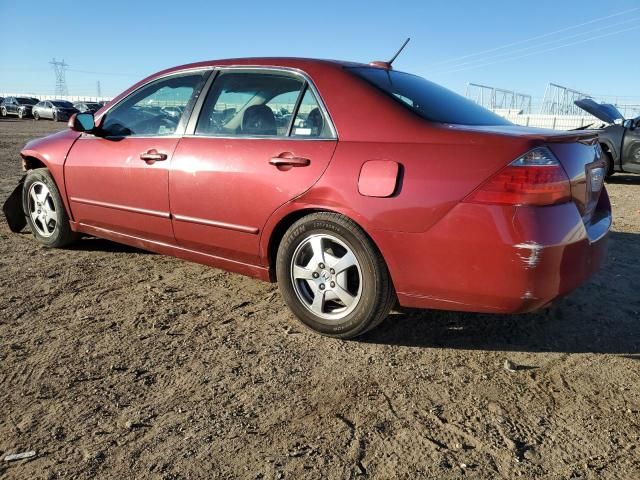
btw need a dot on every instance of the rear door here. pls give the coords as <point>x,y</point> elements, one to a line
<point>118,180</point>
<point>12,106</point>
<point>631,148</point>
<point>47,110</point>
<point>262,137</point>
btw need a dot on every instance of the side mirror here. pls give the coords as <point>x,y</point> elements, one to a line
<point>82,122</point>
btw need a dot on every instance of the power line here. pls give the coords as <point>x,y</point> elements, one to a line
<point>544,35</point>
<point>517,57</point>
<point>538,45</point>
<point>105,73</point>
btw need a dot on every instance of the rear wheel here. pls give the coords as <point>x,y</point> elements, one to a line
<point>332,276</point>
<point>609,169</point>
<point>36,116</point>
<point>45,211</point>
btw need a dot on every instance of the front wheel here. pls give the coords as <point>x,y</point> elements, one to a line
<point>44,210</point>
<point>332,276</point>
<point>36,116</point>
<point>20,114</point>
<point>3,112</point>
<point>54,116</point>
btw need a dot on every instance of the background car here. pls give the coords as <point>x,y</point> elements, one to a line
<point>382,188</point>
<point>56,110</point>
<point>19,106</point>
<point>87,106</point>
<point>619,137</point>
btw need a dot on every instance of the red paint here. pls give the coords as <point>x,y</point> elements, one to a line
<point>219,201</point>
<point>378,178</point>
<point>111,187</point>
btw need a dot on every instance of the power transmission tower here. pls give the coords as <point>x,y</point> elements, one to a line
<point>61,82</point>
<point>498,98</point>
<point>558,100</point>
<point>98,89</point>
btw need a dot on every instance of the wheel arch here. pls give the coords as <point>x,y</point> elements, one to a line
<point>609,149</point>
<point>31,162</point>
<point>276,233</point>
<point>32,159</point>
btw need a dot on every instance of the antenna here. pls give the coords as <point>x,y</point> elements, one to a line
<point>387,65</point>
<point>399,51</point>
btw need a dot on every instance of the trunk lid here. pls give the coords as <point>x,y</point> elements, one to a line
<point>584,164</point>
<point>578,151</point>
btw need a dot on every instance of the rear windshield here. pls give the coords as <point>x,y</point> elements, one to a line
<point>427,99</point>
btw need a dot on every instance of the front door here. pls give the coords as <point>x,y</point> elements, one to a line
<point>118,179</point>
<point>261,139</point>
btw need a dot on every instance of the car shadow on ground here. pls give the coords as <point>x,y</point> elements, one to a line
<point>575,324</point>
<point>92,244</point>
<point>624,179</point>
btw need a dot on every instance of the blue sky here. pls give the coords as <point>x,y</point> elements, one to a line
<point>118,42</point>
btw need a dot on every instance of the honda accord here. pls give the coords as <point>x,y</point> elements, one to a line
<point>354,186</point>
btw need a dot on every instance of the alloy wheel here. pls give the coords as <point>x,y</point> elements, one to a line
<point>42,210</point>
<point>326,277</point>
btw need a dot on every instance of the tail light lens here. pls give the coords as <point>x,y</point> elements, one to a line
<point>535,178</point>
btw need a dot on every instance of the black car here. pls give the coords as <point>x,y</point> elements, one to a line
<point>87,106</point>
<point>20,106</point>
<point>56,110</point>
<point>618,137</point>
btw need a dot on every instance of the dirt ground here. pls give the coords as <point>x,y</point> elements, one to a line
<point>116,363</point>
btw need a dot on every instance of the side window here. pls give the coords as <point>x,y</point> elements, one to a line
<point>154,110</point>
<point>249,104</point>
<point>310,121</point>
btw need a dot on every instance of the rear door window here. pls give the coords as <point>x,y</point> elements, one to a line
<point>261,104</point>
<point>310,121</point>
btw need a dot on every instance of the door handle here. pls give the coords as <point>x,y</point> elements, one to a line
<point>282,161</point>
<point>153,156</point>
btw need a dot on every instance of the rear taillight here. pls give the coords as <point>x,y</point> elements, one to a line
<point>535,178</point>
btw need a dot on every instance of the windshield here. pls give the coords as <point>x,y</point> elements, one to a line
<point>427,99</point>
<point>62,103</point>
<point>26,101</point>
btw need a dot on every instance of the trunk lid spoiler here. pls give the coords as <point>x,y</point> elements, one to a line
<point>602,111</point>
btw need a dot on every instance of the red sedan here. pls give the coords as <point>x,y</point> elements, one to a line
<point>354,186</point>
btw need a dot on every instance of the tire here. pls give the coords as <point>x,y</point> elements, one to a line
<point>36,116</point>
<point>352,300</point>
<point>54,116</point>
<point>609,169</point>
<point>3,112</point>
<point>44,210</point>
<point>20,114</point>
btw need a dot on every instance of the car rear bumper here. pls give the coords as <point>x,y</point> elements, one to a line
<point>501,259</point>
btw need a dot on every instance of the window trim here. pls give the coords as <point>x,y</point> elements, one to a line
<point>307,83</point>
